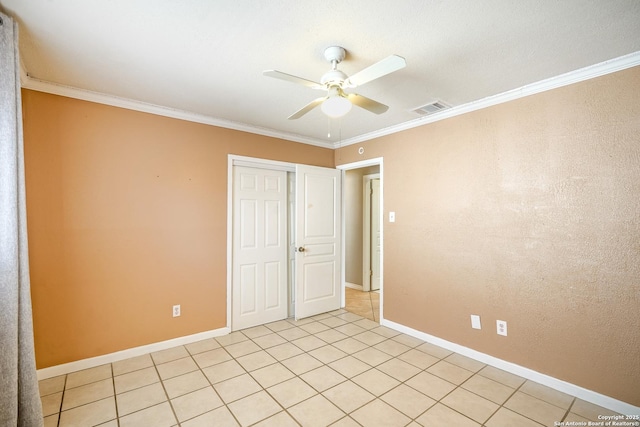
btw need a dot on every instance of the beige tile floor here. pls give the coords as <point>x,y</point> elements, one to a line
<point>335,369</point>
<point>365,304</point>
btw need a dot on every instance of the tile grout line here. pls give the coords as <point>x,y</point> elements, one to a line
<point>436,400</point>
<point>266,389</point>
<point>347,379</point>
<point>470,391</point>
<point>403,382</point>
<point>224,404</point>
<point>295,376</point>
<point>421,370</point>
<point>513,394</point>
<point>262,349</point>
<point>317,393</point>
<point>64,389</point>
<point>285,410</point>
<point>568,410</point>
<point>155,365</point>
<point>115,402</point>
<point>371,368</point>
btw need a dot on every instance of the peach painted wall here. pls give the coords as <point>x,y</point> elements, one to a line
<point>528,212</point>
<point>127,216</point>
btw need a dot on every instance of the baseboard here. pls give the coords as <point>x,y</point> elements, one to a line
<point>352,286</point>
<point>563,386</point>
<point>92,362</point>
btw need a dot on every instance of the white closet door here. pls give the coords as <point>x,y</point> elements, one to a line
<point>259,247</point>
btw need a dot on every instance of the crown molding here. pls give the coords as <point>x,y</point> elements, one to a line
<point>31,83</point>
<point>582,74</point>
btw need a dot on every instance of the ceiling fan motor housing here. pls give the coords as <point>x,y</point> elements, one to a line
<point>333,78</point>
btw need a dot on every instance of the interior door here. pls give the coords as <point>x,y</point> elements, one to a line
<point>375,234</point>
<point>260,247</point>
<point>318,240</point>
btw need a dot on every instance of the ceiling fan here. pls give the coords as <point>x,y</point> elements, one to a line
<point>337,103</point>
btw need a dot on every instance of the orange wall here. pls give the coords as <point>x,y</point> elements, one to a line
<point>127,216</point>
<point>527,212</point>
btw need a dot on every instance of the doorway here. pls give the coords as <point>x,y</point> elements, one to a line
<point>371,245</point>
<point>363,237</point>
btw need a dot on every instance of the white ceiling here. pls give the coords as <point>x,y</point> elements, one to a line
<point>205,57</point>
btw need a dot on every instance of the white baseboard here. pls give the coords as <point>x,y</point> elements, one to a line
<point>92,362</point>
<point>563,386</point>
<point>352,286</point>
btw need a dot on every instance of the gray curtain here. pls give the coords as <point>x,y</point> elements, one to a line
<point>19,397</point>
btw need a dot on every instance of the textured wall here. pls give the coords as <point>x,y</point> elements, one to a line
<point>527,212</point>
<point>127,216</point>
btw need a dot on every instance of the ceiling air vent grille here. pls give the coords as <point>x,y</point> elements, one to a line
<point>431,108</point>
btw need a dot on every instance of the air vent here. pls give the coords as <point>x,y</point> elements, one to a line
<point>431,108</point>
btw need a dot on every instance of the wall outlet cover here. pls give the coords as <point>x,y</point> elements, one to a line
<point>501,327</point>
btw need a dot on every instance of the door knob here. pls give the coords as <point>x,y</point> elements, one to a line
<point>301,249</point>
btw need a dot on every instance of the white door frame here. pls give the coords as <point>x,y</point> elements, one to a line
<point>254,162</point>
<point>367,242</point>
<point>358,165</point>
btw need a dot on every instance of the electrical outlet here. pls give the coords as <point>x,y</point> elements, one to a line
<point>501,326</point>
<point>475,321</point>
<point>176,310</point>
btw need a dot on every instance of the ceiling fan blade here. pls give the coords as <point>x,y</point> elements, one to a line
<point>367,103</point>
<point>381,68</point>
<point>304,110</point>
<point>293,79</point>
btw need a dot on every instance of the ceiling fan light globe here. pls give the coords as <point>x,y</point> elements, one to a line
<point>336,106</point>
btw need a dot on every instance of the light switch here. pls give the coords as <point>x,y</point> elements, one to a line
<point>475,321</point>
<point>392,217</point>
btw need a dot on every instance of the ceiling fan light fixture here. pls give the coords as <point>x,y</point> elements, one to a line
<point>337,103</point>
<point>336,106</point>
